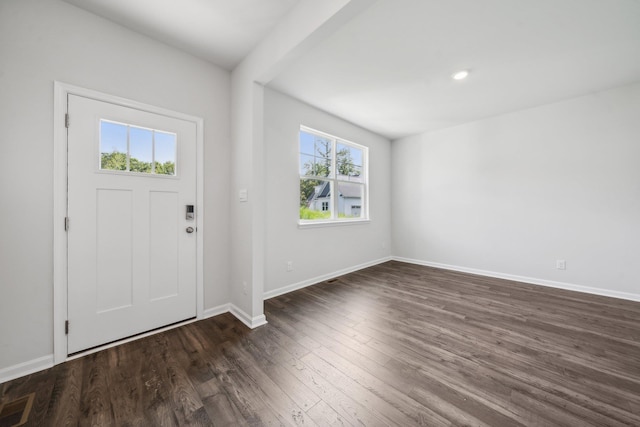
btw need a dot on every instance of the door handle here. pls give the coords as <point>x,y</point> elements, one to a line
<point>190,230</point>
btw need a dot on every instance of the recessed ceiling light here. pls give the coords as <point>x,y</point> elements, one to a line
<point>460,75</point>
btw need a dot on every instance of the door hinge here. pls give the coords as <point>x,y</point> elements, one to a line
<point>66,223</point>
<point>66,327</point>
<point>66,120</point>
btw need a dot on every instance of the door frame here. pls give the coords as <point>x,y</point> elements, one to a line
<point>60,195</point>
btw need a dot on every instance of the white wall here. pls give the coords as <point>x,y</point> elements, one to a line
<point>317,252</point>
<point>302,27</point>
<point>47,40</point>
<point>514,193</point>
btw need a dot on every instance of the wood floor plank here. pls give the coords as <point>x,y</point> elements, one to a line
<point>95,403</point>
<point>300,393</point>
<point>386,388</point>
<point>277,398</point>
<point>394,344</point>
<point>347,406</point>
<point>370,397</point>
<point>125,364</point>
<point>64,406</point>
<point>324,415</point>
<point>219,407</point>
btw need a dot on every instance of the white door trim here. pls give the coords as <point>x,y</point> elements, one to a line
<point>61,92</point>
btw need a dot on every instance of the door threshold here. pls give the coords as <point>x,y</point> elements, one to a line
<point>82,353</point>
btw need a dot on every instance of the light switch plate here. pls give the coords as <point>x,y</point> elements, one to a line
<point>243,195</point>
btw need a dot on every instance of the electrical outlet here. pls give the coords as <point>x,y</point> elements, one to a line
<point>244,288</point>
<point>561,264</point>
<point>289,265</point>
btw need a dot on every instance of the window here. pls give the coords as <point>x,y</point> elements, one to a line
<point>131,148</point>
<point>333,178</point>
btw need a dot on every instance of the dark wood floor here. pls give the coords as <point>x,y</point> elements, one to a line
<point>395,344</point>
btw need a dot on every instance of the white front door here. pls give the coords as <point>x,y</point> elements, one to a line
<point>131,246</point>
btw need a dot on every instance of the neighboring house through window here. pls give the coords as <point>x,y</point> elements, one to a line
<point>333,178</point>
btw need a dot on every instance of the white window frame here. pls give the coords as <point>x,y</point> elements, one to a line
<point>333,182</point>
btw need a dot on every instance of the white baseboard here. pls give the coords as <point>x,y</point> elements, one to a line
<point>215,311</point>
<point>314,281</point>
<point>524,279</point>
<point>252,322</point>
<point>26,368</point>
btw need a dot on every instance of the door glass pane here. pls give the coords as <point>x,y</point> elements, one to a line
<point>141,145</point>
<point>113,146</point>
<point>165,153</point>
<point>315,199</point>
<point>131,148</point>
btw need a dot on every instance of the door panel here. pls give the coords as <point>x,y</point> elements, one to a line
<point>114,249</point>
<point>163,227</point>
<point>132,265</point>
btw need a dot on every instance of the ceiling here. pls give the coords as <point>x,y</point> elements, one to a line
<point>389,69</point>
<point>220,31</point>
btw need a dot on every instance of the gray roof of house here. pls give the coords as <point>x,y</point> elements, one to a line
<point>350,191</point>
<point>347,191</point>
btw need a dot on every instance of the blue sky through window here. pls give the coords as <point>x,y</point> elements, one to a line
<point>307,143</point>
<point>141,143</point>
<point>165,147</point>
<point>113,138</point>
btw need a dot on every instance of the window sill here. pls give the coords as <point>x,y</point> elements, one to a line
<point>320,224</point>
